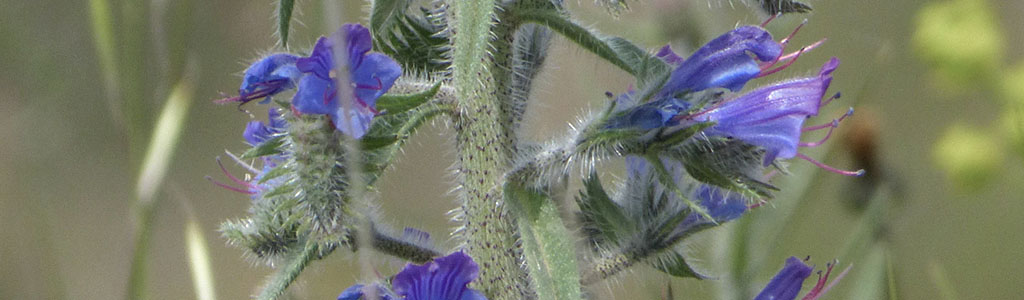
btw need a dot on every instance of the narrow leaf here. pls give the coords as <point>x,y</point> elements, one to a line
<point>284,17</point>
<point>268,147</point>
<point>392,104</point>
<point>677,266</point>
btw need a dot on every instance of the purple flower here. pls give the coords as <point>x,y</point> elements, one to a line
<point>787,283</point>
<point>257,132</point>
<point>369,74</point>
<point>268,76</point>
<point>724,62</point>
<point>444,278</point>
<point>722,205</point>
<point>772,116</point>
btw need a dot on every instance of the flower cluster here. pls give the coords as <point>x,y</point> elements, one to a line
<point>352,106</point>
<point>699,90</point>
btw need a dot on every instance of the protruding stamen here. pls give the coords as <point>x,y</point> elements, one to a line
<point>792,34</point>
<point>830,168</point>
<point>236,189</point>
<point>765,72</point>
<point>835,123</point>
<point>769,20</point>
<point>807,48</point>
<point>829,125</point>
<point>829,100</point>
<point>239,161</point>
<point>232,177</point>
<point>820,288</point>
<point>789,58</point>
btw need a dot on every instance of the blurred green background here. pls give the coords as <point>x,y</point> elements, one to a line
<point>68,168</point>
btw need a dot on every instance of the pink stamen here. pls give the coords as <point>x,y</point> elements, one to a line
<point>829,125</point>
<point>792,34</point>
<point>769,20</point>
<point>820,288</point>
<point>829,100</point>
<point>807,48</point>
<point>833,283</point>
<point>232,177</point>
<point>830,168</point>
<point>835,124</point>
<point>236,189</point>
<point>765,72</point>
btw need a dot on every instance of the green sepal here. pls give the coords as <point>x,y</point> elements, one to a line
<point>602,219</point>
<point>273,173</point>
<point>773,7</point>
<point>729,164</point>
<point>414,39</point>
<point>284,18</point>
<point>676,265</point>
<point>271,146</point>
<point>393,104</point>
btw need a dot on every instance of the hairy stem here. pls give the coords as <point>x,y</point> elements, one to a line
<point>485,149</point>
<point>287,273</point>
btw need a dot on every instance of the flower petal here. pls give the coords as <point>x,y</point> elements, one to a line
<point>443,278</point>
<point>724,62</point>
<point>315,96</point>
<point>787,283</point>
<point>771,117</point>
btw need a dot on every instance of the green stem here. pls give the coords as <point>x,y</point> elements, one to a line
<point>547,244</point>
<point>140,252</point>
<point>484,153</point>
<point>287,274</point>
<point>583,37</point>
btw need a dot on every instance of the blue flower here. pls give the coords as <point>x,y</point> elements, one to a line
<point>721,205</point>
<point>786,284</point>
<point>772,116</point>
<point>724,62</point>
<point>257,132</point>
<point>444,278</point>
<point>369,74</point>
<point>267,77</point>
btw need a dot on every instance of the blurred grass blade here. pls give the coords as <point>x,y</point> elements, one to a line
<point>941,281</point>
<point>154,168</point>
<point>103,39</point>
<point>284,18</point>
<point>165,138</point>
<point>199,260</point>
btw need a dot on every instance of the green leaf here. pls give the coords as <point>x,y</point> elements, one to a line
<point>602,218</point>
<point>268,147</point>
<point>390,103</point>
<point>773,7</point>
<point>574,32</point>
<point>414,39</point>
<point>726,164</point>
<point>676,265</point>
<point>548,247</point>
<point>284,18</point>
<point>650,71</point>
